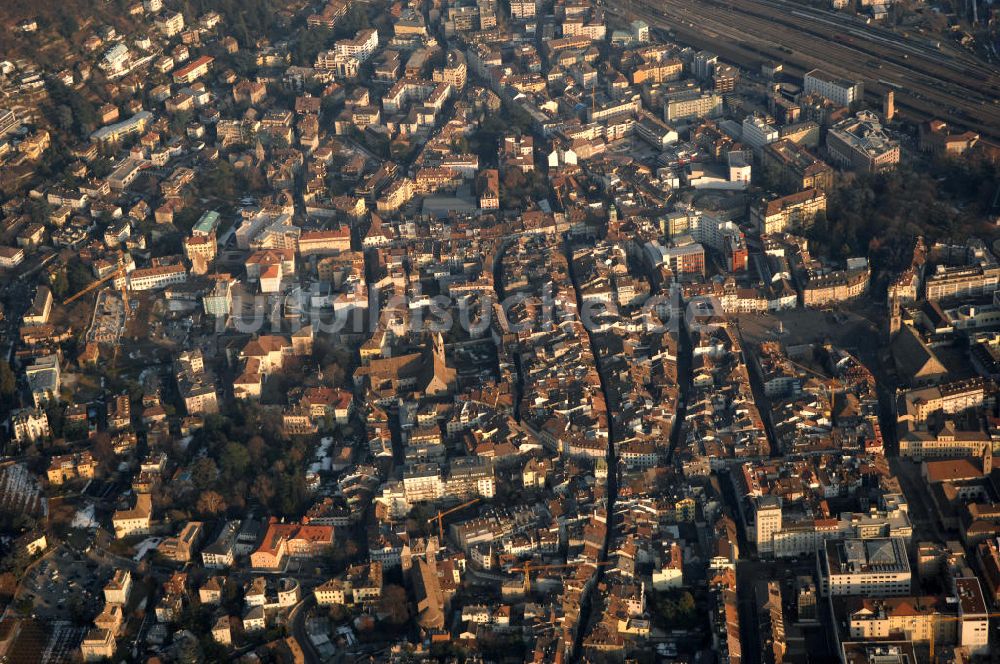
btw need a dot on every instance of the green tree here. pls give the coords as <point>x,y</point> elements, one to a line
<point>219,182</point>
<point>78,275</point>
<point>39,211</point>
<point>310,44</point>
<point>64,117</point>
<point>263,489</point>
<point>686,605</point>
<point>179,122</point>
<point>101,167</point>
<point>393,604</point>
<point>355,19</point>
<point>235,460</point>
<point>204,473</point>
<point>59,284</point>
<point>68,25</point>
<point>668,611</point>
<point>82,110</point>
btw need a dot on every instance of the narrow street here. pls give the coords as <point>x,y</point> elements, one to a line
<point>685,375</point>
<point>498,293</point>
<point>757,387</point>
<point>586,609</point>
<point>746,571</point>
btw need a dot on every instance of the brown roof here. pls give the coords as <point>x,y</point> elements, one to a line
<point>953,469</point>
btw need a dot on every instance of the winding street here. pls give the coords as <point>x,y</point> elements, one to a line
<point>297,628</point>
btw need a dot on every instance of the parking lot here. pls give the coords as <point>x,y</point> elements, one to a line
<point>64,585</point>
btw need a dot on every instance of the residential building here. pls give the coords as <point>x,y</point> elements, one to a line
<point>796,168</point>
<point>11,257</point>
<point>29,424</point>
<point>691,105</point>
<point>758,132</point>
<point>67,467</point>
<point>118,589</point>
<point>193,70</point>
<point>788,213</point>
<point>361,47</point>
<point>820,290</point>
<point>8,121</point>
<point>974,614</point>
<point>44,379</point>
<point>221,553</point>
<point>180,548</point>
<point>98,645</point>
<point>115,132</point>
<point>134,521</point>
<point>936,136</point>
<point>961,282</point>
<point>169,23</point>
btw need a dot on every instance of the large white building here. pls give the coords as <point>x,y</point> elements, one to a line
<point>876,567</point>
<point>155,277</point>
<point>113,132</point>
<point>169,23</point>
<point>135,521</point>
<point>8,121</point>
<point>29,424</point>
<point>838,90</point>
<point>974,628</point>
<point>757,132</point>
<point>362,46</point>
<point>44,379</point>
<point>691,105</point>
<point>116,60</point>
<point>423,482</point>
<point>767,521</point>
<point>221,553</point>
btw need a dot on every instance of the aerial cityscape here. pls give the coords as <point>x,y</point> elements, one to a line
<point>513,331</point>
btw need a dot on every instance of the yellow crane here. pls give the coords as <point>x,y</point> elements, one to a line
<point>439,517</point>
<point>949,618</point>
<point>527,568</point>
<point>120,273</point>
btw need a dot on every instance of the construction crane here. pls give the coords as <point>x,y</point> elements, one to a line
<point>528,567</point>
<point>120,273</point>
<point>949,618</point>
<point>439,517</point>
<point>828,381</point>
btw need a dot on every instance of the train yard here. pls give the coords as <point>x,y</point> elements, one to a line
<point>929,81</point>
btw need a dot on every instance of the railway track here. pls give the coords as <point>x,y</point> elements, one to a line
<point>928,83</point>
<point>937,66</point>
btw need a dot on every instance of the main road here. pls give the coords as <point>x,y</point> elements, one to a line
<point>929,82</point>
